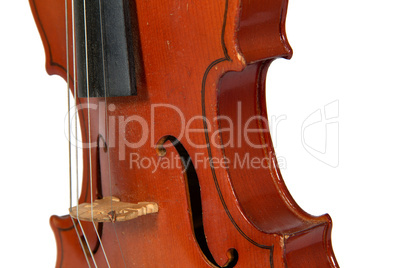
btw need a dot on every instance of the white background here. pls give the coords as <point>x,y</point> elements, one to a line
<point>345,51</point>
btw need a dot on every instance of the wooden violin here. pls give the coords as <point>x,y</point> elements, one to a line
<point>178,165</point>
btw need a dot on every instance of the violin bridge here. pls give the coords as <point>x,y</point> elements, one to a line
<point>110,209</point>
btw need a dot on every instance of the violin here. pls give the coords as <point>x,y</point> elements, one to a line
<point>178,167</point>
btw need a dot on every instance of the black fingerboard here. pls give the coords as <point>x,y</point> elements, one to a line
<point>104,44</point>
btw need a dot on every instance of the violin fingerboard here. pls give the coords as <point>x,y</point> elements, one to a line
<point>104,42</point>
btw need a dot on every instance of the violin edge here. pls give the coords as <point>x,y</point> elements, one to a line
<point>254,33</point>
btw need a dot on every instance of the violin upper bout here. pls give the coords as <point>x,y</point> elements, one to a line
<point>49,16</point>
<point>261,30</point>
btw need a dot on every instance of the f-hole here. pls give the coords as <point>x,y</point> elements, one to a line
<point>194,199</point>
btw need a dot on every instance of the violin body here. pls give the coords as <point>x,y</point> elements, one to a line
<point>198,64</point>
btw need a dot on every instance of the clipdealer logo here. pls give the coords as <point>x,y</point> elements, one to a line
<point>123,136</point>
<point>320,134</point>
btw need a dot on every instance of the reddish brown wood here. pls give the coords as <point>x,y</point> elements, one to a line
<point>203,57</point>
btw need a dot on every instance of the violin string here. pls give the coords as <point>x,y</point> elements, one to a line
<point>76,147</point>
<point>118,243</point>
<point>69,118</point>
<point>68,106</point>
<point>106,108</point>
<point>76,99</point>
<point>80,240</point>
<point>89,134</point>
<point>107,125</point>
<point>86,241</point>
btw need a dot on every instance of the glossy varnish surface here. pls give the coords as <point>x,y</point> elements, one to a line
<point>204,58</point>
